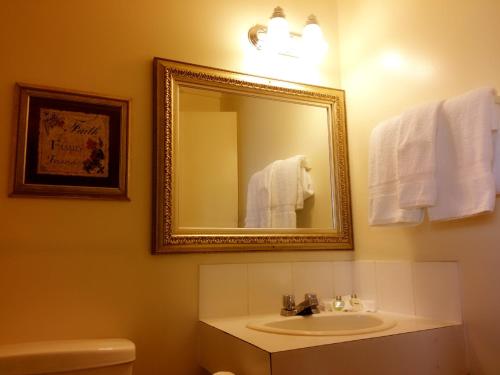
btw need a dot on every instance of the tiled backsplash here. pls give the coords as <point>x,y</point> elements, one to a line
<point>394,287</point>
<point>430,289</point>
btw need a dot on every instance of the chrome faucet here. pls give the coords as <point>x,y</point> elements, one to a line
<point>307,307</point>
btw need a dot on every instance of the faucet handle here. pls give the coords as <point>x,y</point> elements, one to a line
<point>312,298</point>
<point>288,305</point>
<point>288,302</point>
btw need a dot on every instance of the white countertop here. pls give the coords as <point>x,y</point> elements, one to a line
<point>272,343</point>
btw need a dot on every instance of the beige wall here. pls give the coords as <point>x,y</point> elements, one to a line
<point>77,268</point>
<point>195,100</point>
<point>207,185</point>
<point>396,54</point>
<point>205,201</point>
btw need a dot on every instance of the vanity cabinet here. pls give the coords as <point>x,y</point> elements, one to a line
<point>437,351</point>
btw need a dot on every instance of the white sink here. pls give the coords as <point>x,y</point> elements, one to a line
<point>325,324</point>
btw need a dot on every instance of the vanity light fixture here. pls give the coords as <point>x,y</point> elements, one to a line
<point>276,37</point>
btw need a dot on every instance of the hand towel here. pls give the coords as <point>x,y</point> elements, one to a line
<point>416,156</point>
<point>465,180</point>
<point>287,191</point>
<point>276,192</point>
<point>383,178</point>
<point>284,194</point>
<point>496,146</point>
<point>258,212</point>
<point>307,186</point>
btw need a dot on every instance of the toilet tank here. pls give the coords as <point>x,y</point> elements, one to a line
<point>65,357</point>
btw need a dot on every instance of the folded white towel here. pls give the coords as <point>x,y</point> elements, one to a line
<point>465,180</point>
<point>496,145</point>
<point>383,179</point>
<point>284,194</point>
<point>307,187</point>
<point>287,191</point>
<point>416,156</point>
<point>258,213</point>
<point>276,192</point>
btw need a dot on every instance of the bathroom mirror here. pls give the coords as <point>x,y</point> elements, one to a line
<point>247,163</point>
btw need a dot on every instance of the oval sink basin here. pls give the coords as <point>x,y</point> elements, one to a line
<point>336,324</point>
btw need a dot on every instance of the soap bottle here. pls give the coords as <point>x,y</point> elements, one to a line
<point>339,303</point>
<point>356,303</point>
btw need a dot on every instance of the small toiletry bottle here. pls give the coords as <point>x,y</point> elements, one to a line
<point>338,304</point>
<point>356,303</point>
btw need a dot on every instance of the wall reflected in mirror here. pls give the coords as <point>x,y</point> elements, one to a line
<point>249,161</point>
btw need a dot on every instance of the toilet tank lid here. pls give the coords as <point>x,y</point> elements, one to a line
<point>64,355</point>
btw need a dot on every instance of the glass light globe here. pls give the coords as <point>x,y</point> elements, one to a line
<point>278,35</point>
<point>313,43</point>
<point>312,32</point>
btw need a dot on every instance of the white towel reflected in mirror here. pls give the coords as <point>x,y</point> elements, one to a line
<point>276,192</point>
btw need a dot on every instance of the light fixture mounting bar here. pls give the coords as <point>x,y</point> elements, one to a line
<point>257,36</point>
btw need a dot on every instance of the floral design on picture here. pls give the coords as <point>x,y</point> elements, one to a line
<point>94,163</point>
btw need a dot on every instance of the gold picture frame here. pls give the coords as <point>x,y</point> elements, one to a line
<point>70,144</point>
<point>167,236</point>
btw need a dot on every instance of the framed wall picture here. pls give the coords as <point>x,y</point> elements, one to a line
<point>70,144</point>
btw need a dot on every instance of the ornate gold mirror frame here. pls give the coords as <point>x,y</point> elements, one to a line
<point>168,237</point>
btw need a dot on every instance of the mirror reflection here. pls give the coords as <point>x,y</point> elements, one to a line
<point>250,161</point>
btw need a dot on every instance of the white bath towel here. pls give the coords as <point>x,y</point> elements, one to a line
<point>383,179</point>
<point>307,187</point>
<point>276,192</point>
<point>290,186</point>
<point>258,212</point>
<point>466,185</point>
<point>496,145</point>
<point>416,156</point>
